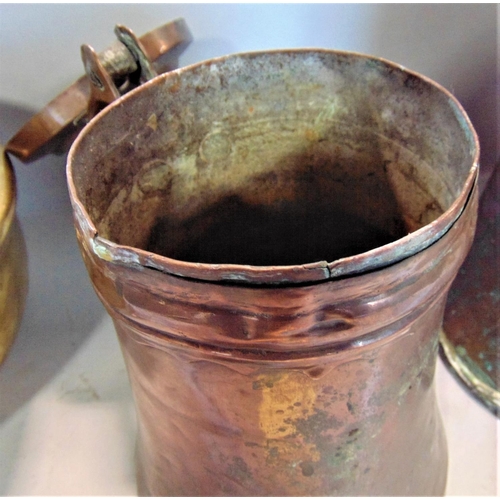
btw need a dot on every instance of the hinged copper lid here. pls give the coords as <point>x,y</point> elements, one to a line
<point>125,65</point>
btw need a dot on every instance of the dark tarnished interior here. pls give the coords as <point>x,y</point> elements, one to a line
<point>274,158</point>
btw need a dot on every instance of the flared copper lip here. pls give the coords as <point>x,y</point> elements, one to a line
<point>376,258</point>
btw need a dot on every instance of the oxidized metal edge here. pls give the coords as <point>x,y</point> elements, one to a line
<point>312,272</point>
<point>466,374</point>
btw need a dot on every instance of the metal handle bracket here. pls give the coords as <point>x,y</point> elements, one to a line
<point>125,65</point>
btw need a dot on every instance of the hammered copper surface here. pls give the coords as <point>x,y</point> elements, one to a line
<point>312,390</point>
<point>269,361</point>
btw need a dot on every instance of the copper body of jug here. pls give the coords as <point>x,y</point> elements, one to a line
<point>274,235</point>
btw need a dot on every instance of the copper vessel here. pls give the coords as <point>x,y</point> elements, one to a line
<point>274,235</point>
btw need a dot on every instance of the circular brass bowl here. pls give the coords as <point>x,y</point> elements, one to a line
<point>13,259</point>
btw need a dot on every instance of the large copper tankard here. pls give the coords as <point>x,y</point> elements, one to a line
<point>274,235</point>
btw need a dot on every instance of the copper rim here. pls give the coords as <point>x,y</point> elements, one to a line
<point>313,272</point>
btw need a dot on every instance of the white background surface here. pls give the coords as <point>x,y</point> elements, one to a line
<point>67,423</point>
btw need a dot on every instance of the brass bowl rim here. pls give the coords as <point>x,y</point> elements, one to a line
<point>7,194</point>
